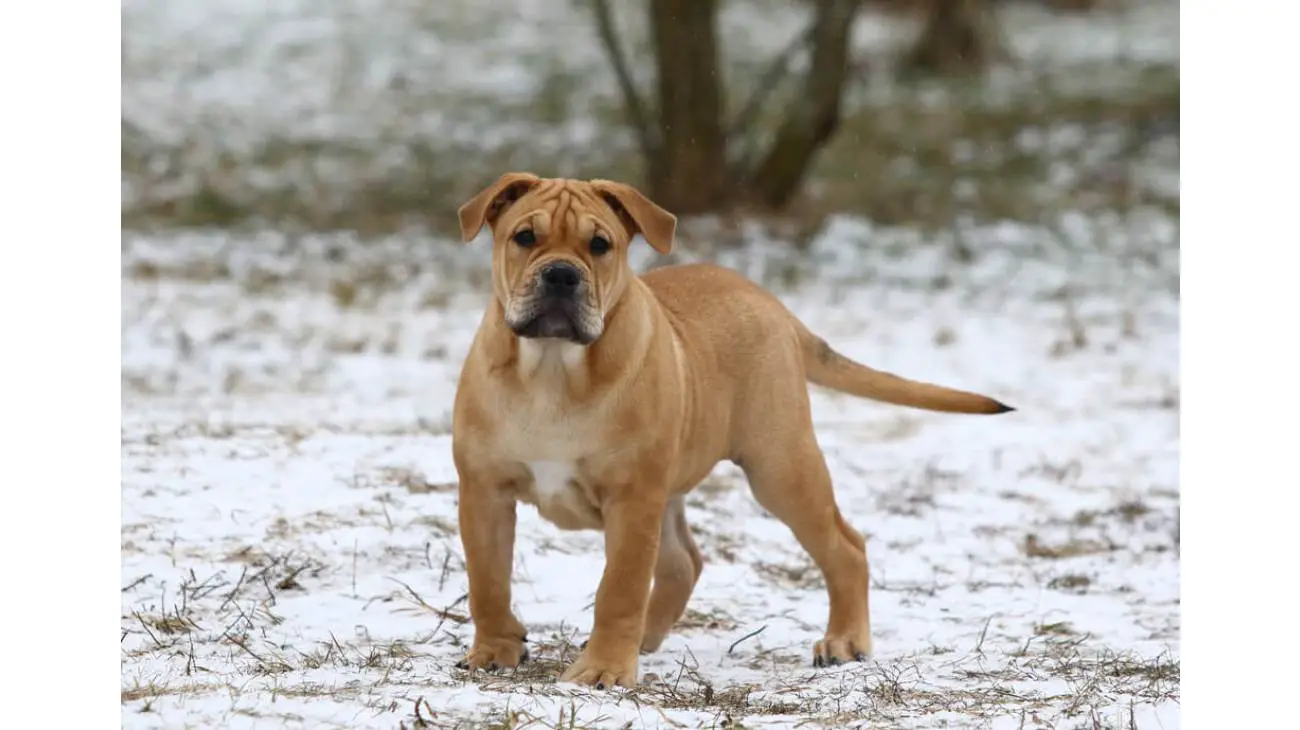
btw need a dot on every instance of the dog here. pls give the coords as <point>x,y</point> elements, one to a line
<point>602,398</point>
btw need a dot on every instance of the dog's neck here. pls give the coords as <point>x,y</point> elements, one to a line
<point>542,358</point>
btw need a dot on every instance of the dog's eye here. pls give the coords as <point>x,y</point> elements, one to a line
<point>599,246</point>
<point>525,238</point>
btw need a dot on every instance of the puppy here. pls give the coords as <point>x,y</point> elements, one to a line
<point>602,398</point>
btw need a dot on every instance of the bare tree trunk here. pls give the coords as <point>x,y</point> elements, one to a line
<point>959,37</point>
<point>813,119</point>
<point>688,168</point>
<point>689,173</point>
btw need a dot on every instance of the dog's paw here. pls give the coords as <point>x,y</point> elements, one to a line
<point>601,673</point>
<point>834,650</point>
<point>505,652</point>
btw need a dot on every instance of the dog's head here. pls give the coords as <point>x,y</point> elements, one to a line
<point>559,251</point>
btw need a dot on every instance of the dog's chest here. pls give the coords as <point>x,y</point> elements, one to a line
<point>538,430</point>
<point>559,495</point>
<point>552,441</point>
<point>540,424</point>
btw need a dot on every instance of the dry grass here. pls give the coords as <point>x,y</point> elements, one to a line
<point>904,165</point>
<point>987,149</point>
<point>226,613</point>
<point>883,691</point>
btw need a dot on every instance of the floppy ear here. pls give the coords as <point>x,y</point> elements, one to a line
<point>492,201</point>
<point>639,213</point>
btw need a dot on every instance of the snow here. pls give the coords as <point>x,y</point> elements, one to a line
<point>289,513</point>
<point>290,554</point>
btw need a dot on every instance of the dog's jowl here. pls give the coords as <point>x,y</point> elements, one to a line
<point>603,397</point>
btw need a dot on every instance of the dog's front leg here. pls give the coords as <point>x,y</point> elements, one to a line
<point>632,525</point>
<point>487,533</point>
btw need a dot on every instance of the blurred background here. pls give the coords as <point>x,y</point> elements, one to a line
<point>377,116</point>
<point>321,147</point>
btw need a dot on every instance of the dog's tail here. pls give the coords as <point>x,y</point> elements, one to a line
<point>830,369</point>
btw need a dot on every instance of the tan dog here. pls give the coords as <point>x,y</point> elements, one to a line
<point>602,398</point>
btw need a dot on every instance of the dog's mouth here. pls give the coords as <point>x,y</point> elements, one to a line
<point>553,318</point>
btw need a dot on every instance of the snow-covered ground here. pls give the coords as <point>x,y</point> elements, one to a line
<point>289,543</point>
<point>290,554</point>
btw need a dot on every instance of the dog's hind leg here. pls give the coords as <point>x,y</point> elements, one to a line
<point>788,476</point>
<point>676,572</point>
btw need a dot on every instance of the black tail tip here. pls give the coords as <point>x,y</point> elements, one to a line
<point>1002,408</point>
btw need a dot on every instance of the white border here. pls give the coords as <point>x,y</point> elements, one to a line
<point>59,319</point>
<point>62,286</point>
<point>1241,274</point>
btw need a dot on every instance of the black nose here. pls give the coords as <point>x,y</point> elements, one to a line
<point>561,278</point>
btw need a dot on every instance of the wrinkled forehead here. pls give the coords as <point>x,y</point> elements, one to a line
<point>567,208</point>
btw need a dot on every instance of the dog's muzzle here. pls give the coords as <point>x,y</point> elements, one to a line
<point>556,308</point>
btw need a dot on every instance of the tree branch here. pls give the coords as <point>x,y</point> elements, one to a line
<point>767,83</point>
<point>811,121</point>
<point>959,37</point>
<point>771,78</point>
<point>632,104</point>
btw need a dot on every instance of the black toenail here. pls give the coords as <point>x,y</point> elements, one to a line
<point>524,658</point>
<point>818,661</point>
<point>492,666</point>
<point>600,685</point>
<point>835,661</point>
<point>860,657</point>
<point>462,664</point>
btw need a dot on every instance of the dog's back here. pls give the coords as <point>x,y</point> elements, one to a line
<point>741,321</point>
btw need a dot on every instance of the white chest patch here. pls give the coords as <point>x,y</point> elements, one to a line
<point>551,479</point>
<point>559,498</point>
